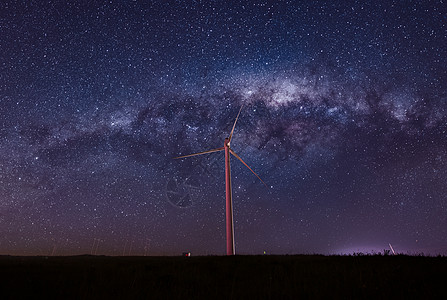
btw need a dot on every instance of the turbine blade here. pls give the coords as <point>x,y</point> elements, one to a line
<point>237,156</point>
<point>234,125</point>
<point>394,253</point>
<point>200,153</point>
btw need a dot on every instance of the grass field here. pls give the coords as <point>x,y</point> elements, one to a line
<point>220,277</point>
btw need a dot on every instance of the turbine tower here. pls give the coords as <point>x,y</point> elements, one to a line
<point>229,202</point>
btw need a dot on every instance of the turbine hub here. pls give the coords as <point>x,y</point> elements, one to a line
<point>227,142</point>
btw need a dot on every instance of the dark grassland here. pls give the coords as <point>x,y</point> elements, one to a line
<point>220,277</point>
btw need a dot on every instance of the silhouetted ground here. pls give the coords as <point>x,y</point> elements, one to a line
<point>220,277</point>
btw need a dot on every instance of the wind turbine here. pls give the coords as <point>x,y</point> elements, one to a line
<point>394,253</point>
<point>229,202</point>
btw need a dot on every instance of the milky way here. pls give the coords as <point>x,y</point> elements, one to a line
<point>344,116</point>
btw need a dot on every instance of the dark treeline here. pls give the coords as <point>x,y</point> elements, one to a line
<point>219,277</point>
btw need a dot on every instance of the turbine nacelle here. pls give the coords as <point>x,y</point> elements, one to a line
<point>227,142</point>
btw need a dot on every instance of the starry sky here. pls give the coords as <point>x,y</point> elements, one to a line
<point>344,116</point>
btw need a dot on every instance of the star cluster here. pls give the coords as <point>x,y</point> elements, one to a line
<point>344,116</point>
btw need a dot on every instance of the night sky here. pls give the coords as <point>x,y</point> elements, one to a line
<point>344,117</point>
